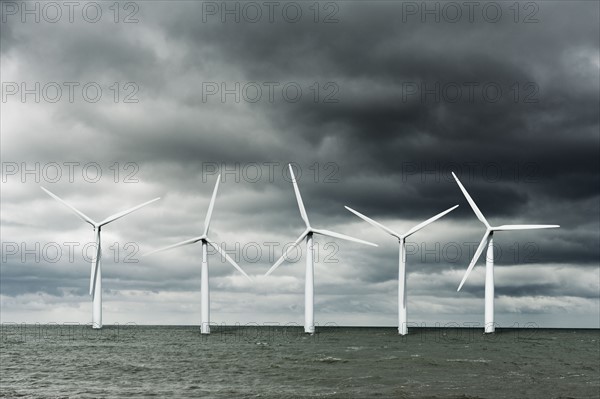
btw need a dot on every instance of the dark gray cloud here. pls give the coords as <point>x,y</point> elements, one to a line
<point>382,149</point>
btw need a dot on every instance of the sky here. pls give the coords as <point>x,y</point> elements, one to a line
<point>374,104</point>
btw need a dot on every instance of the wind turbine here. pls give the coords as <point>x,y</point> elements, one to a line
<point>488,238</point>
<point>309,320</point>
<point>402,301</point>
<point>204,290</point>
<point>96,272</point>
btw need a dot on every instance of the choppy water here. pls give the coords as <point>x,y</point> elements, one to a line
<point>269,362</point>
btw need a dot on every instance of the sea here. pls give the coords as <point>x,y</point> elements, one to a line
<point>132,361</point>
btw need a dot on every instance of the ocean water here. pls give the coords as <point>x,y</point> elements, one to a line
<point>283,362</point>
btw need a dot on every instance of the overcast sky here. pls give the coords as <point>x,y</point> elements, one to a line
<point>375,103</point>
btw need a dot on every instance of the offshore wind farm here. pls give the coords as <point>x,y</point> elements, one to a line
<point>358,199</point>
<point>307,234</point>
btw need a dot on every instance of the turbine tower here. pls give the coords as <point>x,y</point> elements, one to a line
<point>204,290</point>
<point>96,272</point>
<point>402,301</point>
<point>488,238</point>
<point>309,321</point>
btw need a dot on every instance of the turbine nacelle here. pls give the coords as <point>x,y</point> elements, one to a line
<point>87,219</point>
<point>309,229</point>
<point>490,230</point>
<point>401,237</point>
<point>204,237</point>
<point>97,226</point>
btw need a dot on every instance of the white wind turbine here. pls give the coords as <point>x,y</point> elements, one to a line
<point>96,272</point>
<point>204,290</point>
<point>489,264</point>
<point>309,321</point>
<point>402,301</point>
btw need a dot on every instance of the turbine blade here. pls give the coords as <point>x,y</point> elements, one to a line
<point>287,251</point>
<point>94,268</point>
<point>374,223</point>
<point>471,202</point>
<point>342,236</point>
<point>83,216</point>
<point>179,244</point>
<point>507,227</point>
<point>428,221</point>
<point>475,257</point>
<point>211,206</point>
<point>127,212</point>
<point>228,258</point>
<point>299,198</point>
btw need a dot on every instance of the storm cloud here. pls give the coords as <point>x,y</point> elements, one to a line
<point>375,104</point>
